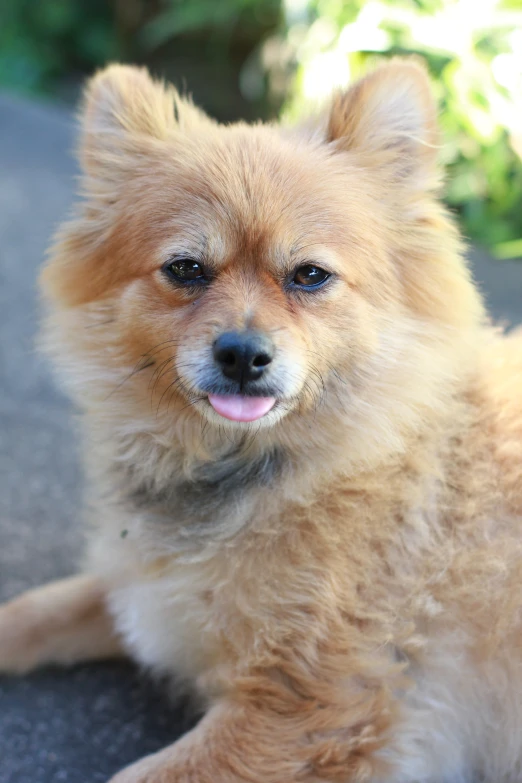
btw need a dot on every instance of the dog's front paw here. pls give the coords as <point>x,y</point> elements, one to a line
<point>16,641</point>
<point>60,623</point>
<point>155,769</point>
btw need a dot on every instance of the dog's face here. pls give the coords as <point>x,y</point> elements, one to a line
<point>253,279</point>
<point>247,273</point>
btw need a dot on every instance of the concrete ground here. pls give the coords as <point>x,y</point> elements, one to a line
<point>78,726</point>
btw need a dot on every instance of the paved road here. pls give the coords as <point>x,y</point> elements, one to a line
<point>83,725</point>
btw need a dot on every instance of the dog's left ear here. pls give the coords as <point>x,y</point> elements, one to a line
<point>389,119</point>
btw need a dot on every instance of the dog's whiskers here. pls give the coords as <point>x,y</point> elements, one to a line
<point>134,372</point>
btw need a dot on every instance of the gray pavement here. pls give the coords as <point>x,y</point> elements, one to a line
<point>82,725</point>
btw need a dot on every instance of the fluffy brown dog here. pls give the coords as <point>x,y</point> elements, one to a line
<point>304,443</point>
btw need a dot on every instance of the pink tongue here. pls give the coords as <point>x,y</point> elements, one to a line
<point>239,408</point>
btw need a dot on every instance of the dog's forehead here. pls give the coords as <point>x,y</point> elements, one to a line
<point>256,184</point>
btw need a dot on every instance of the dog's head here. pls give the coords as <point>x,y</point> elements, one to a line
<point>236,274</point>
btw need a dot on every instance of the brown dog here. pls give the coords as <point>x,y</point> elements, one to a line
<point>303,442</point>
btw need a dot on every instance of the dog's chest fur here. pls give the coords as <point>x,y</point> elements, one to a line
<point>171,553</point>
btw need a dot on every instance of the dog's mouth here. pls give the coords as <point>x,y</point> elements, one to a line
<point>239,407</point>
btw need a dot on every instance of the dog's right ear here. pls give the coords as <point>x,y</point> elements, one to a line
<point>125,111</point>
<point>126,120</point>
<point>123,99</point>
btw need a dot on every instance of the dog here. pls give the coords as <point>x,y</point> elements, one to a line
<point>302,439</point>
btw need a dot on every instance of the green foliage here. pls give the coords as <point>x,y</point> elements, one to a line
<point>296,51</point>
<point>49,46</point>
<point>43,40</point>
<point>473,49</point>
<point>179,17</point>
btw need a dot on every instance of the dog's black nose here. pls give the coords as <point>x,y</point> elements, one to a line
<point>243,356</point>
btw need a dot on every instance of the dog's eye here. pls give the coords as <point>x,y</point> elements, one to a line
<point>309,276</point>
<point>185,270</point>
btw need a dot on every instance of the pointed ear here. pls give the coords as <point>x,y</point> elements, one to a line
<point>123,98</point>
<point>123,109</point>
<point>389,119</point>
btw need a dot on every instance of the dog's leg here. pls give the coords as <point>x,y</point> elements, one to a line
<point>61,623</point>
<point>231,744</point>
<point>245,740</point>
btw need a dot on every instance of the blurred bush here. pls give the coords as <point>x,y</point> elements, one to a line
<point>250,57</point>
<point>49,46</point>
<point>473,49</point>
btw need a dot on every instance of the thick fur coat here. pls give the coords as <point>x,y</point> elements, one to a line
<point>341,579</point>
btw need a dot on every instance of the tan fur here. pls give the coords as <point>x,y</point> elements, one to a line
<point>60,623</point>
<point>357,616</point>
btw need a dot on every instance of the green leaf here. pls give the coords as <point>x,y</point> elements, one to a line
<point>506,250</point>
